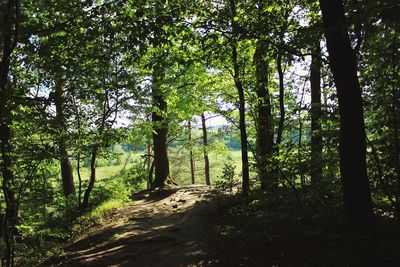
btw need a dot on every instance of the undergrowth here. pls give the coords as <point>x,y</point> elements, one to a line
<point>49,219</point>
<point>270,229</point>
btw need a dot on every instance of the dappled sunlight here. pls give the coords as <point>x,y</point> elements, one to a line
<point>158,228</point>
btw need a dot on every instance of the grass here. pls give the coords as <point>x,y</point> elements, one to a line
<point>105,172</point>
<point>96,215</point>
<point>180,166</point>
<point>104,208</point>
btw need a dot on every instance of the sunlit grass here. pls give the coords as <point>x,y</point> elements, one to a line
<point>180,166</point>
<point>105,172</point>
<point>100,211</point>
<point>97,215</point>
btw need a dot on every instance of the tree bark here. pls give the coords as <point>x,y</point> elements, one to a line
<point>78,171</point>
<point>10,38</point>
<point>264,130</point>
<point>352,145</point>
<point>85,202</point>
<point>316,114</point>
<point>281,100</point>
<point>149,165</point>
<point>191,152</point>
<point>242,103</point>
<point>66,166</point>
<point>205,150</point>
<point>395,123</point>
<point>160,134</point>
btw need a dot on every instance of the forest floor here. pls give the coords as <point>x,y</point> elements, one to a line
<point>197,226</point>
<point>164,228</point>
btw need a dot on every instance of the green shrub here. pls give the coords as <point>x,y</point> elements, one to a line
<point>226,181</point>
<point>135,177</point>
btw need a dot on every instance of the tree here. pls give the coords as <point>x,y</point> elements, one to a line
<point>191,158</point>
<point>205,150</point>
<point>352,148</point>
<point>160,134</point>
<point>10,17</point>
<point>66,167</point>
<point>242,103</point>
<point>316,114</point>
<point>264,129</point>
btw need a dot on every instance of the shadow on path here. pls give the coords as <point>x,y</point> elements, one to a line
<point>164,228</point>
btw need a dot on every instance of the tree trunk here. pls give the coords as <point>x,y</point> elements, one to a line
<point>9,30</point>
<point>205,150</point>
<point>85,202</point>
<point>66,167</point>
<point>299,148</point>
<point>126,162</point>
<point>316,114</point>
<point>281,100</point>
<point>149,165</point>
<point>352,145</point>
<point>191,152</point>
<point>242,103</point>
<point>395,123</point>
<point>78,170</point>
<point>264,130</point>
<point>10,196</point>
<point>161,163</point>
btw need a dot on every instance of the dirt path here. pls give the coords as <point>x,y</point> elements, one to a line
<point>167,228</point>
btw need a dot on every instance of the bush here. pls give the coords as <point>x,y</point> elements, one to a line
<point>226,181</point>
<point>135,177</point>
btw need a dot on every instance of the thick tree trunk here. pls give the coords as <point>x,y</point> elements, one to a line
<point>9,30</point>
<point>316,114</point>
<point>191,152</point>
<point>352,147</point>
<point>242,102</point>
<point>85,202</point>
<point>264,130</point>
<point>160,134</point>
<point>205,150</point>
<point>66,166</point>
<point>395,123</point>
<point>10,196</point>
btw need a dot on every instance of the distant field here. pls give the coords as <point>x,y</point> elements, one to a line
<point>179,166</point>
<point>104,172</point>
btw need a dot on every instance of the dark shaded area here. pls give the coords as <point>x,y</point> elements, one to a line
<point>192,226</point>
<point>254,232</point>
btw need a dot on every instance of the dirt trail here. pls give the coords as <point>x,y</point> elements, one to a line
<point>167,228</point>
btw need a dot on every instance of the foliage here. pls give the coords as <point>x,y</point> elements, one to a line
<point>226,181</point>
<point>77,82</point>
